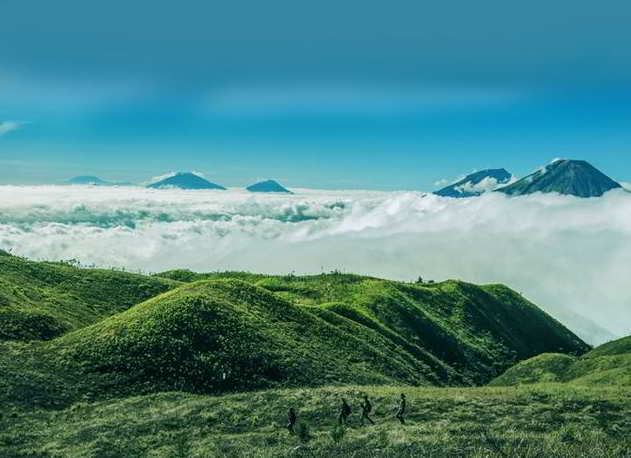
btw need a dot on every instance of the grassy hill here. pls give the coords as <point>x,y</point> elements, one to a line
<point>223,332</point>
<point>206,365</point>
<point>42,300</point>
<point>534,422</point>
<point>609,364</point>
<point>226,334</point>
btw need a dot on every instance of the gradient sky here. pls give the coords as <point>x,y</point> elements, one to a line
<point>390,95</point>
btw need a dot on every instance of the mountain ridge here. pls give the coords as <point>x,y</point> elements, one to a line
<point>564,176</point>
<point>185,180</point>
<point>476,184</point>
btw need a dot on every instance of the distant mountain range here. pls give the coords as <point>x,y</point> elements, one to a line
<point>563,176</point>
<point>268,186</point>
<point>476,184</point>
<point>570,177</point>
<point>92,180</point>
<point>185,181</point>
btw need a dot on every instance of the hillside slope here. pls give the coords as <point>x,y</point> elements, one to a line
<point>233,331</point>
<point>42,300</point>
<point>609,364</point>
<point>326,329</point>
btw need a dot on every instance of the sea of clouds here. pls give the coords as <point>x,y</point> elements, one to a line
<point>568,255</point>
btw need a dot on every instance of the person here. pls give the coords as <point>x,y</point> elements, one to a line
<point>401,410</point>
<point>366,409</point>
<point>291,415</point>
<point>345,412</point>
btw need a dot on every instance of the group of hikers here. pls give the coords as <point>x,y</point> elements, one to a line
<point>346,411</point>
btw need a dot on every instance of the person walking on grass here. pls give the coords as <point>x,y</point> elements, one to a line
<point>401,410</point>
<point>345,412</point>
<point>291,416</point>
<point>366,409</point>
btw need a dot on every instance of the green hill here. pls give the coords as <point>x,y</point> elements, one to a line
<point>239,331</point>
<point>609,364</point>
<point>226,334</point>
<point>42,300</point>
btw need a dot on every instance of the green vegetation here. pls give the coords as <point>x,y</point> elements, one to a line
<point>42,300</point>
<point>239,331</point>
<point>538,421</point>
<point>97,363</point>
<point>609,364</point>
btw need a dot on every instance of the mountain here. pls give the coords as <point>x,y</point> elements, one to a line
<point>116,332</point>
<point>267,186</point>
<point>570,177</point>
<point>185,181</point>
<point>476,184</point>
<point>609,364</point>
<point>89,179</point>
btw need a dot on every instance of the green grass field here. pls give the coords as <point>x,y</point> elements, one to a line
<point>538,421</point>
<point>206,365</point>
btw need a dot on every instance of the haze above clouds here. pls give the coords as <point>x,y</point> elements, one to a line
<point>559,251</point>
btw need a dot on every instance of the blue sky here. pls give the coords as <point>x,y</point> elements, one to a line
<point>329,95</point>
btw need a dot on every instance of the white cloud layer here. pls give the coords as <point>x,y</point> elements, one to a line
<point>564,253</point>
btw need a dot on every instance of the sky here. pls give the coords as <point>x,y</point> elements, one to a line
<point>338,95</point>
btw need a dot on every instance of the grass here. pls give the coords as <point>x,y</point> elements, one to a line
<point>609,364</point>
<point>42,300</point>
<point>224,335</point>
<point>111,364</point>
<point>539,421</point>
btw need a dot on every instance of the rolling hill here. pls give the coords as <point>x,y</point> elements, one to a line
<point>173,374</point>
<point>238,331</point>
<point>609,364</point>
<point>42,300</point>
<point>569,177</point>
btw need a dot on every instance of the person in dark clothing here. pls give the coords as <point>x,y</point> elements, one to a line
<point>345,412</point>
<point>291,416</point>
<point>401,410</point>
<point>366,409</point>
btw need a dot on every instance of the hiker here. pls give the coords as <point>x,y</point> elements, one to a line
<point>291,416</point>
<point>366,409</point>
<point>345,412</point>
<point>401,410</point>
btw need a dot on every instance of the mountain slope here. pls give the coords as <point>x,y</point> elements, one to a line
<point>225,334</point>
<point>89,179</point>
<point>185,181</point>
<point>609,364</point>
<point>41,300</point>
<point>570,177</point>
<point>268,186</point>
<point>476,184</point>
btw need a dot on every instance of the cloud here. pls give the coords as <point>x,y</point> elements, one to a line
<point>564,253</point>
<point>9,126</point>
<point>485,185</point>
